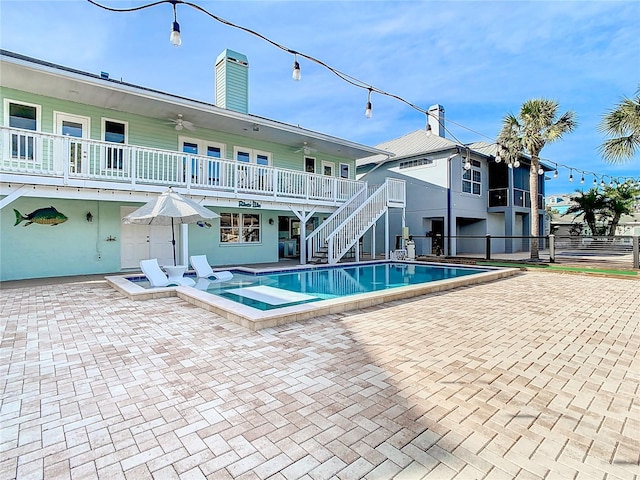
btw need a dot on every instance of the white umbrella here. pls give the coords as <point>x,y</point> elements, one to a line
<point>168,208</point>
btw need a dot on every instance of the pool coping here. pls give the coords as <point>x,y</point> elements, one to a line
<point>255,319</point>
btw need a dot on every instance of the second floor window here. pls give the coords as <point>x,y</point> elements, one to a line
<point>26,117</point>
<point>472,179</point>
<point>115,132</point>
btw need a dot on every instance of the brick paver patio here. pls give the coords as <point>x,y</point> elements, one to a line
<point>534,376</point>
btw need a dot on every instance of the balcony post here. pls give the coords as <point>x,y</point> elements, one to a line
<point>552,248</point>
<point>487,254</point>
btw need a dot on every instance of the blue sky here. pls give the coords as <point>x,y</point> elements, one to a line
<point>478,59</point>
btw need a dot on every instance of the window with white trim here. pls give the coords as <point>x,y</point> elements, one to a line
<point>249,155</point>
<point>114,132</point>
<point>344,170</point>
<point>25,116</point>
<point>240,228</point>
<point>472,179</point>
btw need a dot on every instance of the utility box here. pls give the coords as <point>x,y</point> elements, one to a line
<point>411,250</point>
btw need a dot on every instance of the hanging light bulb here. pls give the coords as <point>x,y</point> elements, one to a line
<point>467,165</point>
<point>595,182</point>
<point>582,179</point>
<point>498,156</point>
<point>555,173</point>
<point>296,75</point>
<point>175,39</point>
<point>571,175</point>
<point>429,129</point>
<point>540,171</point>
<point>368,112</point>
<point>516,164</point>
<point>602,182</point>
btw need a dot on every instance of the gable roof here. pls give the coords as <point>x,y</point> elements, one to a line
<point>414,143</point>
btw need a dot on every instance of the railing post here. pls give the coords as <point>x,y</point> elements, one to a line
<point>133,165</point>
<point>636,252</point>
<point>487,254</point>
<point>552,248</point>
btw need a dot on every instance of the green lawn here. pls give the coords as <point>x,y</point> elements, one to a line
<point>630,273</point>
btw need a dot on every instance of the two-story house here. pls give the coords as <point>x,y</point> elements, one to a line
<point>455,193</point>
<point>79,151</point>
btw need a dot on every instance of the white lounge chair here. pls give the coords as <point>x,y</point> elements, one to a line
<point>201,265</point>
<point>157,278</point>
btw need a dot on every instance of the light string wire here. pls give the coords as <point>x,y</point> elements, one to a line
<point>358,83</point>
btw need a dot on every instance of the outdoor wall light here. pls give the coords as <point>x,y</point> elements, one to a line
<point>175,39</point>
<point>89,217</point>
<point>271,221</point>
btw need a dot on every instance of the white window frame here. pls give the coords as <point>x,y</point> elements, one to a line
<point>307,157</point>
<point>125,157</point>
<point>240,229</point>
<point>348,170</point>
<point>332,167</point>
<point>9,101</point>
<point>476,166</point>
<point>35,143</point>
<point>202,146</point>
<point>253,154</point>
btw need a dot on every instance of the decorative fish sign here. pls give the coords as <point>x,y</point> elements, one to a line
<point>43,216</point>
<point>203,224</point>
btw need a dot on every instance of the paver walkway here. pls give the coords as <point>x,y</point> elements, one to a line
<point>534,376</point>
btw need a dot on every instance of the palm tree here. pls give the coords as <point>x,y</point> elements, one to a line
<point>590,204</point>
<point>623,124</point>
<point>527,134</point>
<point>620,200</point>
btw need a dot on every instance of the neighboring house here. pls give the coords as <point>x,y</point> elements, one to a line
<point>95,149</point>
<point>455,191</point>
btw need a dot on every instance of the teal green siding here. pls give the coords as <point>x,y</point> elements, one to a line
<point>70,248</point>
<point>232,81</point>
<point>155,133</point>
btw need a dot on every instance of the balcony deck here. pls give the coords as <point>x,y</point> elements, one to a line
<point>54,160</point>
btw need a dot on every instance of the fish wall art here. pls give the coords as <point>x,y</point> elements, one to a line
<point>43,216</point>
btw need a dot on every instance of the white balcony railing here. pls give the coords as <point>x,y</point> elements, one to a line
<point>67,159</point>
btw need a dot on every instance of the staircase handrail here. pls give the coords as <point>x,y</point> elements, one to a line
<point>318,237</point>
<point>353,227</point>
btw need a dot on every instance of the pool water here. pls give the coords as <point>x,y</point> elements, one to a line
<point>267,291</point>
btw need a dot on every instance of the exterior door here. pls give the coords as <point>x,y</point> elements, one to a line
<point>74,126</point>
<point>141,242</point>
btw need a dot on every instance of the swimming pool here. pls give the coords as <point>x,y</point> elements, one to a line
<point>268,291</point>
<point>259,299</point>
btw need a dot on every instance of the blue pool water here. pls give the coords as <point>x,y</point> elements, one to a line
<point>267,291</point>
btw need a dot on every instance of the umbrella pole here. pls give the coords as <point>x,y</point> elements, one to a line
<point>173,242</point>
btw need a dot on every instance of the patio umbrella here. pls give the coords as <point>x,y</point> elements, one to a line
<point>168,208</point>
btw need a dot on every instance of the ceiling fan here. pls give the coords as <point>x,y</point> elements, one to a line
<point>179,123</point>
<point>306,149</point>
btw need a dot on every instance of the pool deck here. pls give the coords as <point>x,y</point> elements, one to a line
<point>532,376</point>
<point>255,319</point>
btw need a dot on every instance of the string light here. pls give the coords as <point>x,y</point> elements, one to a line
<point>571,175</point>
<point>176,40</point>
<point>368,112</point>
<point>582,179</point>
<point>296,75</point>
